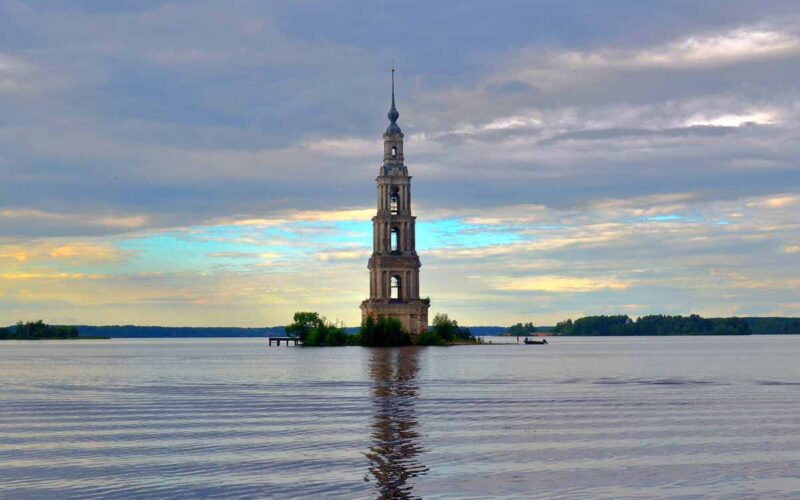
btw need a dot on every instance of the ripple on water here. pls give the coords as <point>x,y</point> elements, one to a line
<point>353,423</point>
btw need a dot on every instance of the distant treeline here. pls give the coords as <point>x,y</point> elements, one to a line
<point>590,325</point>
<point>138,332</point>
<point>676,325</point>
<point>773,326</point>
<point>131,331</point>
<point>38,330</point>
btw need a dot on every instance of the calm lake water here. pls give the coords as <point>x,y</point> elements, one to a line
<point>678,417</point>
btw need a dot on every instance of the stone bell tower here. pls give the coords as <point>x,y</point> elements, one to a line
<point>394,265</point>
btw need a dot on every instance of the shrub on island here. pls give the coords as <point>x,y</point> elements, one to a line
<point>430,338</point>
<point>314,330</point>
<point>383,332</point>
<point>449,330</point>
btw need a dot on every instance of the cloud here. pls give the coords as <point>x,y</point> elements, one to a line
<point>31,214</point>
<point>233,255</point>
<point>124,222</point>
<point>206,161</point>
<point>283,217</point>
<point>694,52</point>
<point>15,221</point>
<point>49,276</point>
<point>75,252</point>
<point>715,49</point>
<point>561,284</point>
<point>360,255</point>
<point>782,201</point>
<point>574,260</point>
<point>16,76</point>
<point>86,252</point>
<point>732,120</point>
<point>346,147</point>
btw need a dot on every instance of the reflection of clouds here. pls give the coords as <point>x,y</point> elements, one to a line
<point>395,444</point>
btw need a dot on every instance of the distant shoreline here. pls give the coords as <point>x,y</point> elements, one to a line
<point>62,338</point>
<point>756,326</point>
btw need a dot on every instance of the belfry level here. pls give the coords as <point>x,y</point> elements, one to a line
<point>394,265</point>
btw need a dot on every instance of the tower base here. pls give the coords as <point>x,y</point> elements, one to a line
<point>412,314</point>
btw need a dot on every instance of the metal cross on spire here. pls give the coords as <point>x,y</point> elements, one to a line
<point>392,83</point>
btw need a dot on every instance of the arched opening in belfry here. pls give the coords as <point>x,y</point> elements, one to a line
<point>394,201</point>
<point>394,151</point>
<point>395,240</point>
<point>395,288</point>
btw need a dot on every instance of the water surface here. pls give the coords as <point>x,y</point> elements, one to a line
<point>680,417</point>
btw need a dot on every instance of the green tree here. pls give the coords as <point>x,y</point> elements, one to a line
<point>600,325</point>
<point>38,330</point>
<point>563,328</point>
<point>445,327</point>
<point>522,329</point>
<point>314,330</point>
<point>305,322</point>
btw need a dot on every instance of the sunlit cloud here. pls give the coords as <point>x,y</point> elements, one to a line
<point>282,218</point>
<point>130,222</point>
<point>782,201</point>
<point>561,284</point>
<point>86,252</point>
<point>499,124</point>
<point>563,254</point>
<point>9,252</point>
<point>736,45</point>
<point>61,251</point>
<point>34,215</point>
<point>732,120</point>
<point>20,276</point>
<point>701,50</point>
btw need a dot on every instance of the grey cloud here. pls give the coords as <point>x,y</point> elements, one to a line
<point>185,113</point>
<point>613,133</point>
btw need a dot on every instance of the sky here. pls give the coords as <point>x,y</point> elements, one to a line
<point>207,163</point>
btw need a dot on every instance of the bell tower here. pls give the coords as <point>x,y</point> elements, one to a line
<point>394,265</point>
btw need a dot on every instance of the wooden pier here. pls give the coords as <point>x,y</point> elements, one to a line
<point>278,340</point>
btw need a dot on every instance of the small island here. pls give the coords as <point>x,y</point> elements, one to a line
<point>313,330</point>
<point>39,330</point>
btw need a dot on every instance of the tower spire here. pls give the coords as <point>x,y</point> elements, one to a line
<point>394,265</point>
<point>393,114</point>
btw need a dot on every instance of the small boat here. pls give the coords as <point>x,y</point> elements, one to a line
<point>535,342</point>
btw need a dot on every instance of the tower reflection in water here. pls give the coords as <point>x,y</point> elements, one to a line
<point>395,440</point>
